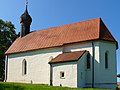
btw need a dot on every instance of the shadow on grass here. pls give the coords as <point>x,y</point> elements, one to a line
<point>20,86</point>
<point>10,87</point>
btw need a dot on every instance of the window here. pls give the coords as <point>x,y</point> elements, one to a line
<point>88,61</point>
<point>24,67</point>
<point>62,75</point>
<point>106,60</point>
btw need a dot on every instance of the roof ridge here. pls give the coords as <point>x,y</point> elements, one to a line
<point>63,25</point>
<point>67,24</point>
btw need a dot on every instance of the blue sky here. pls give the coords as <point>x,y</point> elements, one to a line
<point>48,13</point>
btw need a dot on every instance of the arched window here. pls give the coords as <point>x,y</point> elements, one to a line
<point>24,67</point>
<point>88,61</point>
<point>106,60</point>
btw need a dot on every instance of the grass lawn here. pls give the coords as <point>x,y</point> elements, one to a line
<point>20,86</point>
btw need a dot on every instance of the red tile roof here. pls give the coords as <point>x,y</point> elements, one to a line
<point>93,29</point>
<point>118,83</point>
<point>67,57</point>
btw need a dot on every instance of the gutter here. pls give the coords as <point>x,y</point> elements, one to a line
<point>51,75</point>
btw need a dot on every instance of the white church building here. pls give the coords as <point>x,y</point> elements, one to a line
<point>80,54</point>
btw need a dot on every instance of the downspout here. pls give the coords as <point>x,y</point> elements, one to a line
<point>51,72</point>
<point>6,67</point>
<point>93,53</point>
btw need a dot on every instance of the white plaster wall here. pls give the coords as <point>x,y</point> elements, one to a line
<point>86,46</point>
<point>81,71</point>
<point>37,64</point>
<point>39,69</point>
<point>75,73</point>
<point>70,71</point>
<point>107,77</point>
<point>102,77</point>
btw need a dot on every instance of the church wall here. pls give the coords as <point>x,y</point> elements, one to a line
<point>107,76</point>
<point>38,69</point>
<point>86,46</point>
<point>81,71</point>
<point>101,75</point>
<point>70,74</point>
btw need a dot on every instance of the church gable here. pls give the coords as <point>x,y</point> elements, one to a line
<point>105,34</point>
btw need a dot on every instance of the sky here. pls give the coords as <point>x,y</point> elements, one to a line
<point>49,13</point>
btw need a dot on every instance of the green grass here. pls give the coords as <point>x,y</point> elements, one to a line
<point>20,86</point>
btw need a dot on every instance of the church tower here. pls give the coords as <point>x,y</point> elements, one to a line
<point>25,22</point>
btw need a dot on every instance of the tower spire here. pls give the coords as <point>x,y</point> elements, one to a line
<point>25,21</point>
<point>26,3</point>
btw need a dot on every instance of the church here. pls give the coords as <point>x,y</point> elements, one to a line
<point>79,54</point>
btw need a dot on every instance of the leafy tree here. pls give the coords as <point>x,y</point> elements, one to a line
<point>118,75</point>
<point>7,36</point>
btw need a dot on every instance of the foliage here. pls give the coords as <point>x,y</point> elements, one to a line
<point>7,36</point>
<point>20,86</point>
<point>118,75</point>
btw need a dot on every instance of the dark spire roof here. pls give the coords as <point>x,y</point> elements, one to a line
<point>25,17</point>
<point>25,21</point>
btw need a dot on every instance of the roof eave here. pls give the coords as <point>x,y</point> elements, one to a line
<point>63,61</point>
<point>68,60</point>
<point>63,45</point>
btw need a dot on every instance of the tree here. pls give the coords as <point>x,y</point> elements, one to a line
<point>7,36</point>
<point>118,75</point>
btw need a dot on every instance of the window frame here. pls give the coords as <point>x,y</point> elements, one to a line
<point>106,60</point>
<point>62,75</point>
<point>24,67</point>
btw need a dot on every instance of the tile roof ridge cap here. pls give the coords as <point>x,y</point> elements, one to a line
<point>66,24</point>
